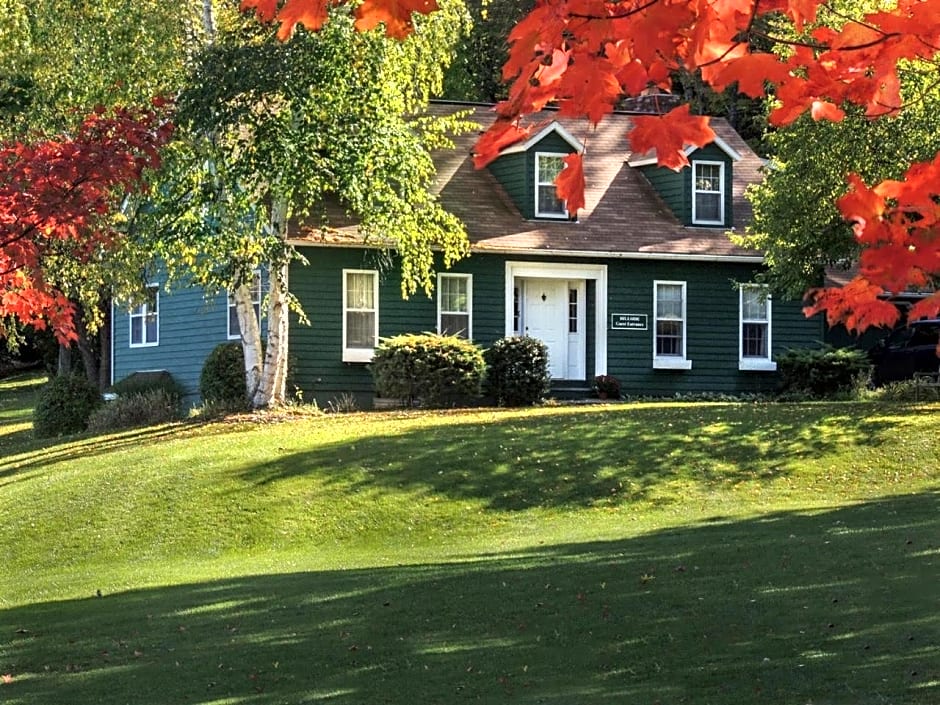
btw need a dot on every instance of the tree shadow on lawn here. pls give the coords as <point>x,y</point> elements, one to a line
<point>836,607</point>
<point>587,457</point>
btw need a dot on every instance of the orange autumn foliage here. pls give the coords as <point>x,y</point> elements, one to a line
<point>583,55</point>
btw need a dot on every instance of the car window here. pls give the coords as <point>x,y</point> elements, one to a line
<point>924,335</point>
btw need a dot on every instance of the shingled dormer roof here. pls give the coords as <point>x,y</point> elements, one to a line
<point>623,216</point>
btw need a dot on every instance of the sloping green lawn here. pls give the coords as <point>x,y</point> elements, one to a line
<point>623,553</point>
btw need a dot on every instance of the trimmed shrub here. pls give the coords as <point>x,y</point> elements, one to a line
<point>222,380</point>
<point>141,382</point>
<point>606,387</point>
<point>517,371</point>
<point>147,408</point>
<point>64,406</point>
<point>438,370</point>
<point>821,373</point>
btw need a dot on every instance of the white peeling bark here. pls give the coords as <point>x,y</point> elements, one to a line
<point>251,338</point>
<point>272,389</point>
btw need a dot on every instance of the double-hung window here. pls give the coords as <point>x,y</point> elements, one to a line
<point>669,312</point>
<point>547,168</point>
<point>454,305</point>
<point>145,320</point>
<point>234,328</point>
<point>755,328</point>
<point>708,193</point>
<point>360,314</point>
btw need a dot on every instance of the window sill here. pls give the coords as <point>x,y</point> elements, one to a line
<point>143,345</point>
<point>358,354</point>
<point>757,365</point>
<point>676,363</point>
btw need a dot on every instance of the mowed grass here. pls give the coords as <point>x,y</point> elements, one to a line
<point>628,553</point>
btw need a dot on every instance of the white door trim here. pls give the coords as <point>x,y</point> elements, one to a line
<point>563,270</point>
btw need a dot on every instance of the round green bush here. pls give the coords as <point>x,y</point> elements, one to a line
<point>146,408</point>
<point>143,382</point>
<point>64,406</point>
<point>517,371</point>
<point>438,370</point>
<point>821,373</point>
<point>222,380</point>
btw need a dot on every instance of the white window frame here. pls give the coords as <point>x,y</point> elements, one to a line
<point>538,184</point>
<point>142,311</point>
<point>256,304</point>
<point>670,362</point>
<point>762,363</point>
<point>360,354</point>
<point>721,192</point>
<point>468,333</point>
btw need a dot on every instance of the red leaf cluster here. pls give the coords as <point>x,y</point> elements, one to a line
<point>395,15</point>
<point>55,199</point>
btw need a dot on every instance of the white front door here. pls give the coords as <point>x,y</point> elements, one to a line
<point>546,313</point>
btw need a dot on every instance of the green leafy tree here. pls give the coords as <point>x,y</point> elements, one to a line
<point>59,61</point>
<point>476,73</point>
<point>796,221</point>
<point>281,132</point>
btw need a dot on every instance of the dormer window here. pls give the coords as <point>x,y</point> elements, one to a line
<point>547,168</point>
<point>708,193</point>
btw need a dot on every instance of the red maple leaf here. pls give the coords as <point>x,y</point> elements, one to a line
<point>500,135</point>
<point>396,15</point>
<point>570,183</point>
<point>669,135</point>
<point>751,72</point>
<point>859,305</point>
<point>309,13</point>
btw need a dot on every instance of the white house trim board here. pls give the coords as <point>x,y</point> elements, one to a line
<point>576,144</point>
<point>567,271</point>
<point>580,254</point>
<point>718,142</point>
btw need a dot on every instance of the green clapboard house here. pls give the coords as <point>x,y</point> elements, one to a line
<point>643,283</point>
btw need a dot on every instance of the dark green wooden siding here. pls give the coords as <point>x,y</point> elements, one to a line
<point>190,326</point>
<point>516,172</point>
<point>511,172</point>
<point>712,321</point>
<point>675,188</point>
<point>316,350</point>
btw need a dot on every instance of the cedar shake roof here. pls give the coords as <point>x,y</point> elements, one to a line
<point>623,214</point>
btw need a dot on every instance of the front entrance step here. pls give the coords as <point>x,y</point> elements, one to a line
<point>570,389</point>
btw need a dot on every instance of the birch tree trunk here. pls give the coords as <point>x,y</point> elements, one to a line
<point>272,387</point>
<point>251,338</point>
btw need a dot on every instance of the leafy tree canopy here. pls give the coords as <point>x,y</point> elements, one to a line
<point>796,220</point>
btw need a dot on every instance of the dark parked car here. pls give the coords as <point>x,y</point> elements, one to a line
<point>909,349</point>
